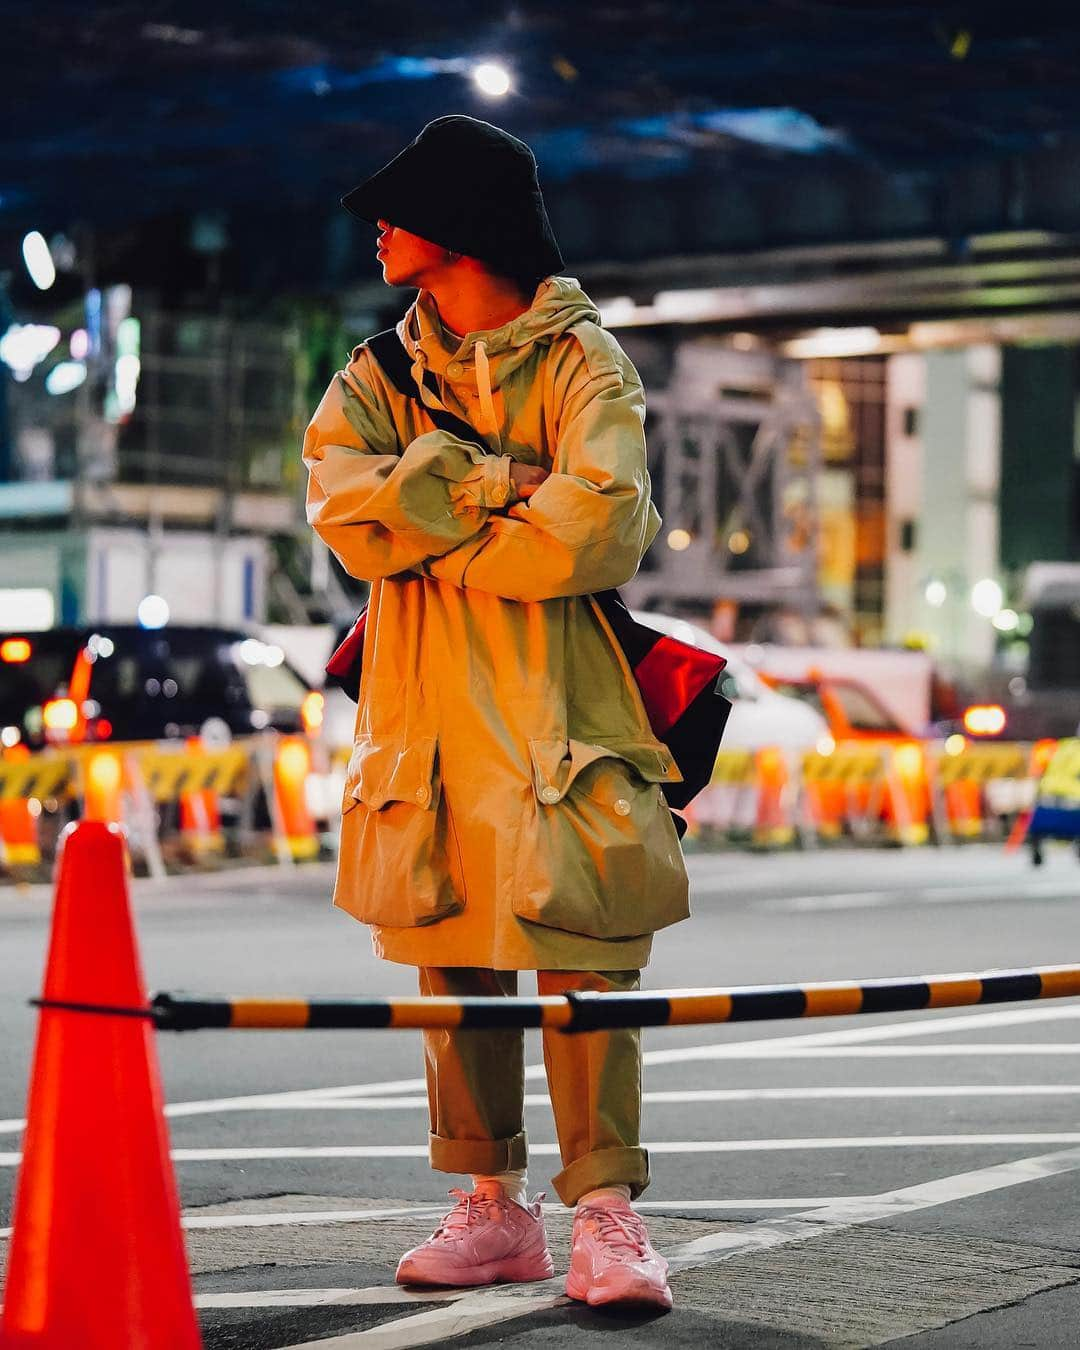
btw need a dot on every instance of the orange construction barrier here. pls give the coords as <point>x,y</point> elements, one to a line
<point>292,820</point>
<point>97,1257</point>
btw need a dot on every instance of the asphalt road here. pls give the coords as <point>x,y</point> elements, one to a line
<point>909,1179</point>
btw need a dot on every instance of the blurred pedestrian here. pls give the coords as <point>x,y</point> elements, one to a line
<point>503,809</point>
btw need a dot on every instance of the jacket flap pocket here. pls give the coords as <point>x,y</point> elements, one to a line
<point>556,763</point>
<point>383,768</point>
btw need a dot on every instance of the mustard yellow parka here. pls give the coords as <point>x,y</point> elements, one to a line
<point>502,806</point>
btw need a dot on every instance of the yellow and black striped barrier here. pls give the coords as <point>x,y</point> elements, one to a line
<point>170,773</point>
<point>37,776</point>
<point>595,1012</point>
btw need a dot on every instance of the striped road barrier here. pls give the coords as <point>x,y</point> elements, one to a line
<point>594,1012</point>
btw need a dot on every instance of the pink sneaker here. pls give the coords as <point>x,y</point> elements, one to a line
<point>612,1259</point>
<point>485,1238</point>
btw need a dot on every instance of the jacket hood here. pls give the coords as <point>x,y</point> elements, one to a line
<point>558,304</point>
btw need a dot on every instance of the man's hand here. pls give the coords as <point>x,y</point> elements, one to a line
<point>526,478</point>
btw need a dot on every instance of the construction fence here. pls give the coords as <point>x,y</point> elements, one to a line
<point>277,797</point>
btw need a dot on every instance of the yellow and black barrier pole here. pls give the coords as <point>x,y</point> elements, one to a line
<point>596,1012</point>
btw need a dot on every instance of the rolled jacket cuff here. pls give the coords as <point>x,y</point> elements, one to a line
<point>485,1157</point>
<point>498,487</point>
<point>487,486</point>
<point>604,1167</point>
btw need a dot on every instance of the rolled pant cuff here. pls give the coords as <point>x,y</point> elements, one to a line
<point>485,1157</point>
<point>605,1167</point>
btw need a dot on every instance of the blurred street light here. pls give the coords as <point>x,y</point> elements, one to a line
<point>38,260</point>
<point>738,542</point>
<point>986,597</point>
<point>491,79</point>
<point>935,593</point>
<point>25,344</point>
<point>65,377</point>
<point>679,540</point>
<point>153,611</point>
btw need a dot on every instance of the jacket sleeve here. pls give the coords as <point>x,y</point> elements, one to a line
<point>587,526</point>
<point>382,511</point>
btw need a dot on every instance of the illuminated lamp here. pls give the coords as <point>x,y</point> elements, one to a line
<point>311,711</point>
<point>985,719</point>
<point>15,651</point>
<point>60,714</point>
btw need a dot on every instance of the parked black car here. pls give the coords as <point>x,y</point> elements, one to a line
<point>122,682</point>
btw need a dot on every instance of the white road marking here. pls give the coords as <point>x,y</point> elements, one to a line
<point>471,1313</point>
<point>300,1218</point>
<point>923,1025</point>
<point>795,1094</point>
<point>663,1146</point>
<point>489,1307</point>
<point>321,1298</point>
<point>859,1093</point>
<point>920,895</point>
<point>303,1217</point>
<point>868,1209</point>
<point>979,1049</point>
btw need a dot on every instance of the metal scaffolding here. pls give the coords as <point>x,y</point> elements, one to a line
<point>734,453</point>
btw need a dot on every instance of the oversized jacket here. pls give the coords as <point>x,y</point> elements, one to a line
<point>502,806</point>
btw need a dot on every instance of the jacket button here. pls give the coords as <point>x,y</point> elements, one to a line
<point>375,799</point>
<point>622,807</point>
<point>549,795</point>
<point>454,369</point>
<point>422,794</point>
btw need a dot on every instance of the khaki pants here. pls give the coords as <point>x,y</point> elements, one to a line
<point>476,1086</point>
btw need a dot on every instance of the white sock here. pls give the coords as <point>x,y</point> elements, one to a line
<point>513,1183</point>
<point>603,1192</point>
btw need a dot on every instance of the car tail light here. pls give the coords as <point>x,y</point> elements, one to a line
<point>15,650</point>
<point>311,711</point>
<point>60,715</point>
<point>984,719</point>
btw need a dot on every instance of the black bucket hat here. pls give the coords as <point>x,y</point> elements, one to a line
<point>472,188</point>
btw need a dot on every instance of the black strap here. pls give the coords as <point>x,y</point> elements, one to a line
<point>388,351</point>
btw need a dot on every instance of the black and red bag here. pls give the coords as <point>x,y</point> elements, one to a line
<point>678,682</point>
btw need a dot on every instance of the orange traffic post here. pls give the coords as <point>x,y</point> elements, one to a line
<point>200,815</point>
<point>907,806</point>
<point>963,807</point>
<point>293,821</point>
<point>772,826</point>
<point>103,787</point>
<point>97,1256</point>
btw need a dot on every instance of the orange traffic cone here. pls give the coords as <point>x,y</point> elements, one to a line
<point>292,764</point>
<point>97,1256</point>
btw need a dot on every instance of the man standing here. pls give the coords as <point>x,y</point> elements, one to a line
<point>503,809</point>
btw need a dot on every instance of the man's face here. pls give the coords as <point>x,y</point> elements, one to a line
<point>407,259</point>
